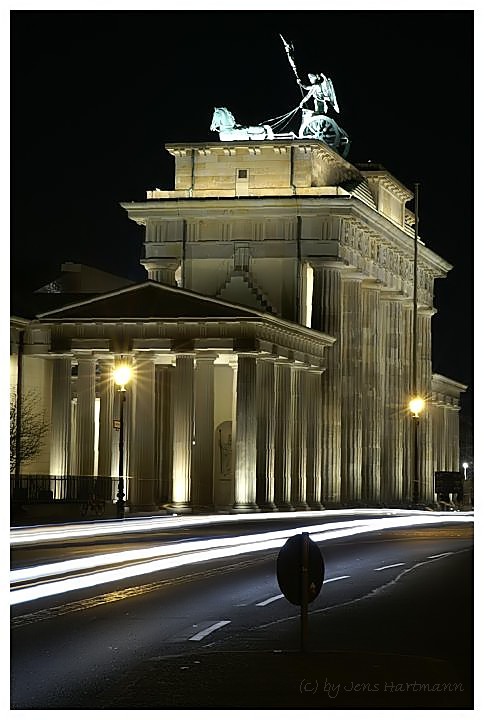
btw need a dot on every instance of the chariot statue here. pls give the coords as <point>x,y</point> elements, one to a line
<point>315,123</point>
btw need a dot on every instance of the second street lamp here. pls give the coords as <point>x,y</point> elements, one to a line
<point>416,406</point>
<point>121,375</point>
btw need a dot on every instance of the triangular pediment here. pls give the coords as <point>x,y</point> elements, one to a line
<point>149,301</point>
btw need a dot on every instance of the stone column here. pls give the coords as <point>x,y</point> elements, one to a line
<point>314,436</point>
<point>453,423</point>
<point>163,433</point>
<point>371,397</point>
<point>202,458</point>
<point>299,438</point>
<point>351,398</point>
<point>246,435</point>
<point>265,434</point>
<point>60,417</point>
<point>283,436</point>
<point>141,457</point>
<point>182,431</point>
<point>327,314</point>
<point>425,388</point>
<point>439,437</point>
<point>106,409</point>
<point>394,413</point>
<point>86,398</point>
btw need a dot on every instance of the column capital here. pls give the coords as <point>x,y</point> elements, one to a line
<point>206,357</point>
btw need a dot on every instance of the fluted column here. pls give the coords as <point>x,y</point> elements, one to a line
<point>60,417</point>
<point>453,421</point>
<point>425,389</point>
<point>182,431</point>
<point>283,440</point>
<point>314,437</point>
<point>141,457</point>
<point>327,317</point>
<point>163,432</point>
<point>441,448</point>
<point>371,397</point>
<point>246,435</point>
<point>265,434</point>
<point>299,438</point>
<point>351,398</point>
<point>392,449</point>
<point>202,458</point>
<point>106,409</point>
<point>86,398</point>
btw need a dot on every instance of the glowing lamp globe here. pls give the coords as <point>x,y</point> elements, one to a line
<point>122,375</point>
<point>416,405</point>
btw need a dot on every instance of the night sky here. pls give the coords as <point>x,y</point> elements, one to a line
<point>95,95</point>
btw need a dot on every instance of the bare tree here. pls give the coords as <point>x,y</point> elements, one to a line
<point>33,427</point>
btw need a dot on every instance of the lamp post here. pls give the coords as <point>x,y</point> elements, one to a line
<point>465,466</point>
<point>416,406</point>
<point>416,403</point>
<point>121,375</point>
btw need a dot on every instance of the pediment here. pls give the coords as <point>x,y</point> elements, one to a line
<point>148,301</point>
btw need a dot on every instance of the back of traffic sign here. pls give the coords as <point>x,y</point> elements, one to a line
<point>300,565</point>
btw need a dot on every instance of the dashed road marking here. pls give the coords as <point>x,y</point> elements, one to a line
<point>386,567</point>
<point>269,600</point>
<point>203,633</point>
<point>434,557</point>
<point>341,577</point>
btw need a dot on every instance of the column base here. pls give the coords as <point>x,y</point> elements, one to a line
<point>179,508</point>
<point>316,506</point>
<point>285,507</point>
<point>301,505</point>
<point>268,507</point>
<point>245,508</point>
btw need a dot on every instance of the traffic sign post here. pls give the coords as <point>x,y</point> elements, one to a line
<point>304,590</point>
<point>300,574</point>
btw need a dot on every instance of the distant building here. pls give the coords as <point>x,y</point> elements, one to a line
<point>271,345</point>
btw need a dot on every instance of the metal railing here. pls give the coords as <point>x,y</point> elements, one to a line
<point>68,488</point>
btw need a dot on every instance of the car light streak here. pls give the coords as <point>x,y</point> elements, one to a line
<point>126,556</point>
<point>52,533</point>
<point>172,556</point>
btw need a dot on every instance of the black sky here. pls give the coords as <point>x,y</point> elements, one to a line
<point>97,94</point>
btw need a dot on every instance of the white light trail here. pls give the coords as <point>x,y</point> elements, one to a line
<point>150,560</point>
<point>40,534</point>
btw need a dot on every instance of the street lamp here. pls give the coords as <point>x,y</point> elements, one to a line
<point>416,406</point>
<point>121,375</point>
<point>465,466</point>
<point>416,403</point>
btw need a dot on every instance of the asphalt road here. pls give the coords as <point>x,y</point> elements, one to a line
<point>395,604</point>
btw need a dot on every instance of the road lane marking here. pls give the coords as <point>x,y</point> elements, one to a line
<point>353,601</point>
<point>203,633</point>
<point>341,577</point>
<point>269,600</point>
<point>386,567</point>
<point>433,557</point>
